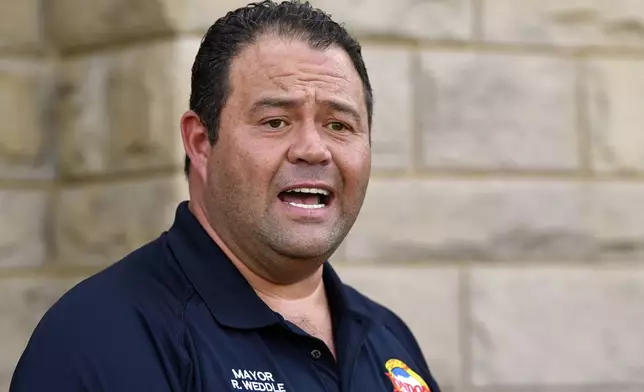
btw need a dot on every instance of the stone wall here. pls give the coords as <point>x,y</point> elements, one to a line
<point>505,218</point>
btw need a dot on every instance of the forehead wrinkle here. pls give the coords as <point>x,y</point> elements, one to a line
<point>325,75</point>
<point>295,81</point>
<point>306,70</point>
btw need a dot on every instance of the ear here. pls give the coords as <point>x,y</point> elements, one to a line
<point>195,142</point>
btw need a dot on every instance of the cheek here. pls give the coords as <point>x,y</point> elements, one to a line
<point>355,166</point>
<point>247,166</point>
<point>360,158</point>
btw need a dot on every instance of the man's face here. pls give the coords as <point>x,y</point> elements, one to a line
<point>290,169</point>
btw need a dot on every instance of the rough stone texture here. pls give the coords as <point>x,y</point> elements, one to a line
<point>20,25</point>
<point>74,24</point>
<point>444,20</point>
<point>559,388</point>
<point>557,326</point>
<point>486,111</point>
<point>120,111</point>
<point>614,100</point>
<point>419,220</point>
<point>23,302</point>
<point>547,315</point>
<point>617,220</point>
<point>25,98</point>
<point>392,122</point>
<point>99,224</point>
<point>578,22</point>
<point>426,299</point>
<point>24,216</point>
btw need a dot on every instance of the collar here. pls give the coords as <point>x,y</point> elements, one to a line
<point>227,294</point>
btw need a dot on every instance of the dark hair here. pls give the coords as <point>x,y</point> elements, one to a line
<point>241,28</point>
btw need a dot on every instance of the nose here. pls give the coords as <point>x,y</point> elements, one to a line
<point>308,146</point>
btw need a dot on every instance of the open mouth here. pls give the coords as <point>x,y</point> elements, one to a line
<point>309,198</point>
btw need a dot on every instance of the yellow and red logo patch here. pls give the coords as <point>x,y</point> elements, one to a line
<point>403,378</point>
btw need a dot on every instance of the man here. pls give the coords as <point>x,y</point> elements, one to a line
<point>237,295</point>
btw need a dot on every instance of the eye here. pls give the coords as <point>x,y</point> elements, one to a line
<point>275,124</point>
<point>337,126</point>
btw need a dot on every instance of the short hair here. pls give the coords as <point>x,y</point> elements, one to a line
<point>210,86</point>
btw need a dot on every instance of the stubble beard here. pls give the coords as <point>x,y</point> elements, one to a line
<point>303,243</point>
<point>250,231</point>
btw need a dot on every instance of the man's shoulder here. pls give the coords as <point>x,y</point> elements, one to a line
<point>377,311</point>
<point>124,321</point>
<point>387,319</point>
<point>147,283</point>
<point>394,326</point>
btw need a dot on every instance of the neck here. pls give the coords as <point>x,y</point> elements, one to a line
<point>307,288</point>
<point>302,302</point>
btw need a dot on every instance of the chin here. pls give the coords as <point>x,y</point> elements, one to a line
<point>304,242</point>
<point>308,253</point>
<point>308,250</point>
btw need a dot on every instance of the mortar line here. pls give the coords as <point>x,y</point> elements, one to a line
<point>523,264</point>
<point>598,387</point>
<point>122,43</point>
<point>509,48</point>
<point>415,165</point>
<point>27,185</point>
<point>124,176</point>
<point>465,329</point>
<point>508,175</point>
<point>584,138</point>
<point>49,224</point>
<point>478,15</point>
<point>49,271</point>
<point>26,54</point>
<point>152,38</point>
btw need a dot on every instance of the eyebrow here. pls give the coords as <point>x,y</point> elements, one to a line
<point>344,108</point>
<point>286,103</point>
<point>283,103</point>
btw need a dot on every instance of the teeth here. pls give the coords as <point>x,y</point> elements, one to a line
<point>311,190</point>
<point>307,206</point>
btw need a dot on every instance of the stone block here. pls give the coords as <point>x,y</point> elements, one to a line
<point>23,302</point>
<point>497,112</point>
<point>98,224</point>
<point>427,301</point>
<point>74,24</point>
<point>491,220</point>
<point>120,111</point>
<point>25,98</point>
<point>557,326</point>
<point>614,97</point>
<point>616,220</point>
<point>20,25</point>
<point>419,220</point>
<point>438,20</point>
<point>567,23</point>
<point>24,219</point>
<point>390,75</point>
<point>197,16</point>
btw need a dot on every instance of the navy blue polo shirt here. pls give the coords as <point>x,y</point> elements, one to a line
<point>176,315</point>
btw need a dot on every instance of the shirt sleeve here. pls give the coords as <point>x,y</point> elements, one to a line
<point>91,345</point>
<point>402,331</point>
